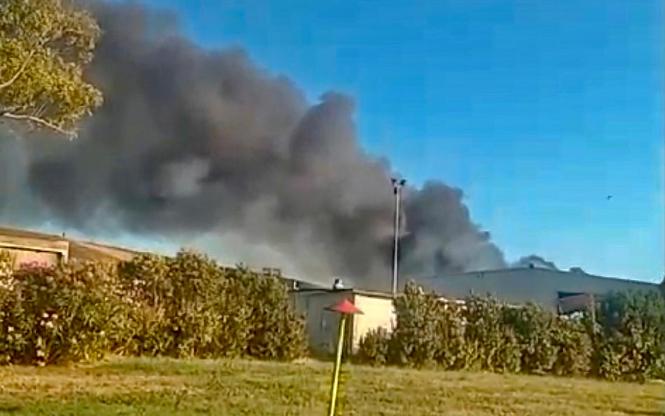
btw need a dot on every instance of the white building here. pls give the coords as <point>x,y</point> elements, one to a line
<point>321,324</point>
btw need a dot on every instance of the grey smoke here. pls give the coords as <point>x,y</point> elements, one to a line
<point>181,179</point>
<point>535,261</point>
<point>205,147</point>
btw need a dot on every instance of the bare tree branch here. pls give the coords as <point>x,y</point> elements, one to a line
<point>38,121</point>
<point>18,73</point>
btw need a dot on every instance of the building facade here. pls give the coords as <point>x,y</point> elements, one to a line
<point>322,325</point>
<point>553,290</point>
<point>28,247</point>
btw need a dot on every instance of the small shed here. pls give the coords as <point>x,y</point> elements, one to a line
<point>321,324</point>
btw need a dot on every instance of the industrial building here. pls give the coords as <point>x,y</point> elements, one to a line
<point>29,247</point>
<point>554,290</point>
<point>310,300</point>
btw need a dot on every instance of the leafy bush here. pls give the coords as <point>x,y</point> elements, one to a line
<point>374,347</point>
<point>57,314</point>
<point>201,309</point>
<point>6,264</point>
<point>452,351</point>
<point>9,342</point>
<point>274,330</point>
<point>416,340</point>
<point>573,347</point>
<point>631,340</point>
<point>534,330</point>
<point>493,344</point>
<point>626,342</point>
<point>181,306</point>
<point>430,331</point>
<point>185,301</point>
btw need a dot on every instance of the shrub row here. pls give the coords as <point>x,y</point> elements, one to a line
<point>627,341</point>
<point>185,306</point>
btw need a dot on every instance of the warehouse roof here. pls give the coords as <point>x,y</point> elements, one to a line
<point>545,287</point>
<point>574,272</point>
<point>76,250</point>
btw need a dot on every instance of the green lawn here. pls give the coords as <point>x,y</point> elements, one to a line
<point>197,387</point>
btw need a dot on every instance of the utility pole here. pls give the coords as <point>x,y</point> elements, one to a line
<point>398,184</point>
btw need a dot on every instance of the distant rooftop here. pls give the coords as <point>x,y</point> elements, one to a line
<point>77,250</point>
<point>573,271</point>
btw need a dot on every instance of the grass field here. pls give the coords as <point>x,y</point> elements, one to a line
<point>183,387</point>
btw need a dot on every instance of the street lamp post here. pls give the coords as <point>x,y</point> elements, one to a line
<point>398,184</point>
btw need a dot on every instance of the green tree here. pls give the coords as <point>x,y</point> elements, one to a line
<point>416,338</point>
<point>275,330</point>
<point>534,329</point>
<point>632,340</point>
<point>492,343</point>
<point>189,306</point>
<point>45,46</point>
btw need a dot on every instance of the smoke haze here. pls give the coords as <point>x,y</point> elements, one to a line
<point>205,147</point>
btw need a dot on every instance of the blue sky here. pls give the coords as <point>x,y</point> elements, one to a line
<point>537,109</point>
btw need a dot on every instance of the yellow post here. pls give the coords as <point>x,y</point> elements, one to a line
<point>344,308</point>
<point>338,365</point>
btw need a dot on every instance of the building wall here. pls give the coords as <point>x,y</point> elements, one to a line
<point>377,312</point>
<point>32,247</point>
<point>43,258</point>
<point>29,247</point>
<point>520,286</point>
<point>322,325</point>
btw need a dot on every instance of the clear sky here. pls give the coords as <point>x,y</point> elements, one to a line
<point>538,109</point>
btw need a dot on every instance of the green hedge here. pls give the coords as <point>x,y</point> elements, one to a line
<point>185,306</point>
<point>627,341</point>
<point>630,337</point>
<point>57,314</point>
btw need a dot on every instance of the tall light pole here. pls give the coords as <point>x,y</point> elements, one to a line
<point>398,184</point>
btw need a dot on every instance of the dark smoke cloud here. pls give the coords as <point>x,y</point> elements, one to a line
<point>535,261</point>
<point>204,146</point>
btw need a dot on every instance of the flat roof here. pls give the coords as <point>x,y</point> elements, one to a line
<point>20,233</point>
<point>324,290</point>
<point>566,273</point>
<point>76,249</point>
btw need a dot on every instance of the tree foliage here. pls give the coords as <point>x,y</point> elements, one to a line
<point>45,46</point>
<point>185,306</point>
<point>191,307</point>
<point>627,341</point>
<point>492,344</point>
<point>632,336</point>
<point>374,347</point>
<point>60,314</point>
<point>416,339</point>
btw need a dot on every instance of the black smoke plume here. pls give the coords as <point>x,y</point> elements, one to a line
<point>204,146</point>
